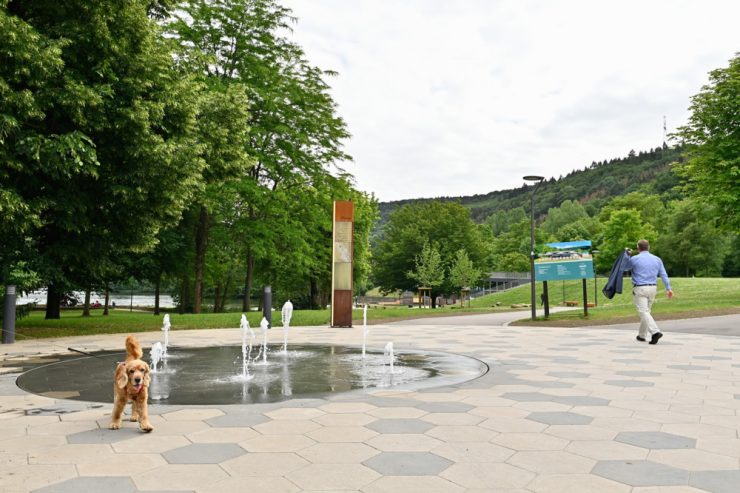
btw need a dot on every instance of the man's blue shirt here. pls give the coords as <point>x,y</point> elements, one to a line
<point>646,268</point>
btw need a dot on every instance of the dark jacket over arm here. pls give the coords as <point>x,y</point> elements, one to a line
<point>614,284</point>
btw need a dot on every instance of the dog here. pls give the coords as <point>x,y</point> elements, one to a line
<point>131,383</point>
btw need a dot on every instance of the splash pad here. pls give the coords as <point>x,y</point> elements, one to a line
<point>215,375</point>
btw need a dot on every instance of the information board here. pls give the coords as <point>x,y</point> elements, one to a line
<point>563,270</point>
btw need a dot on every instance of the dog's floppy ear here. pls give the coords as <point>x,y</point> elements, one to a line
<point>121,377</point>
<point>147,379</point>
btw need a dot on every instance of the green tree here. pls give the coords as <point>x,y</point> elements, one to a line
<point>691,244</point>
<point>125,116</point>
<point>445,224</point>
<point>463,273</point>
<point>569,212</point>
<point>295,136</point>
<point>623,229</point>
<point>712,140</point>
<point>649,207</point>
<point>501,221</point>
<point>429,271</point>
<point>513,262</point>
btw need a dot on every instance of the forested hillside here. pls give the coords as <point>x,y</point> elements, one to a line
<point>612,203</point>
<point>593,186</point>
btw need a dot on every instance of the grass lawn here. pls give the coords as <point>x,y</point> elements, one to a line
<point>124,321</point>
<point>693,297</point>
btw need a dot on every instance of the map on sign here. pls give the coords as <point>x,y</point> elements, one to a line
<point>567,260</point>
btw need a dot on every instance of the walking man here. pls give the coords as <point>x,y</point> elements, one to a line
<point>646,268</point>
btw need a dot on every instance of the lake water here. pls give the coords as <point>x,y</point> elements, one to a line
<point>120,299</point>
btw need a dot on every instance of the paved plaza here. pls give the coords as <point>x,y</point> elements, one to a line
<point>561,410</point>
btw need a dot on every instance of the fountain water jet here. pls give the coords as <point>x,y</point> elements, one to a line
<point>388,354</point>
<point>264,325</point>
<point>287,314</point>
<point>364,329</point>
<point>156,355</point>
<point>166,330</point>
<point>247,338</point>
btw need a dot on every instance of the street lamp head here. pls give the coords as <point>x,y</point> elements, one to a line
<point>533,178</point>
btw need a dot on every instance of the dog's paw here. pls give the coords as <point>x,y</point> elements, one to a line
<point>134,418</point>
<point>146,427</point>
<point>115,426</point>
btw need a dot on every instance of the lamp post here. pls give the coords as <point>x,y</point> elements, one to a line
<point>596,292</point>
<point>537,180</point>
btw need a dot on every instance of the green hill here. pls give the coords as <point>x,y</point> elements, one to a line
<point>592,186</point>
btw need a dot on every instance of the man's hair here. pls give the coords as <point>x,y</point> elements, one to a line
<point>643,245</point>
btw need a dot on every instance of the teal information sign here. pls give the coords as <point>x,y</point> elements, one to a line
<point>563,270</point>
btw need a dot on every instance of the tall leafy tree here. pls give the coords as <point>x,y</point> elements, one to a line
<point>463,273</point>
<point>569,212</point>
<point>295,136</point>
<point>429,271</point>
<point>623,229</point>
<point>691,244</point>
<point>125,115</point>
<point>712,140</point>
<point>446,224</point>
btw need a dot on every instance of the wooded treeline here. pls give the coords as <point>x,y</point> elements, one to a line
<point>188,144</point>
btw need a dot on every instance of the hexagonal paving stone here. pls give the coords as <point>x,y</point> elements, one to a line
<point>638,373</point>
<point>558,418</point>
<point>427,484</point>
<point>567,374</point>
<point>103,436</point>
<point>528,397</point>
<point>264,464</point>
<point>716,481</point>
<point>629,383</point>
<point>341,434</point>
<point>445,407</point>
<point>396,426</point>
<point>338,453</point>
<point>581,400</point>
<point>91,485</point>
<point>408,463</point>
<point>237,420</point>
<point>655,440</point>
<point>203,453</point>
<point>688,367</point>
<point>328,477</point>
<point>404,442</point>
<point>641,473</point>
<point>347,407</point>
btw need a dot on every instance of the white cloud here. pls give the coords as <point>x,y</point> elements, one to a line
<point>457,98</point>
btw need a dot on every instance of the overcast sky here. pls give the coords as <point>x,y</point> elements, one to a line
<point>448,98</point>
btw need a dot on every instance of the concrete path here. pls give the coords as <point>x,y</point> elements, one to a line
<point>561,410</point>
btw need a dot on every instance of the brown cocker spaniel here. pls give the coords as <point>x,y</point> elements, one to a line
<point>131,384</point>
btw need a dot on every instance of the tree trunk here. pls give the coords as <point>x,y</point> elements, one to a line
<point>86,307</point>
<point>433,299</point>
<point>217,296</point>
<point>314,294</point>
<point>248,279</point>
<point>184,294</point>
<point>225,292</point>
<point>157,284</point>
<point>53,298</point>
<point>107,301</point>
<point>201,243</point>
